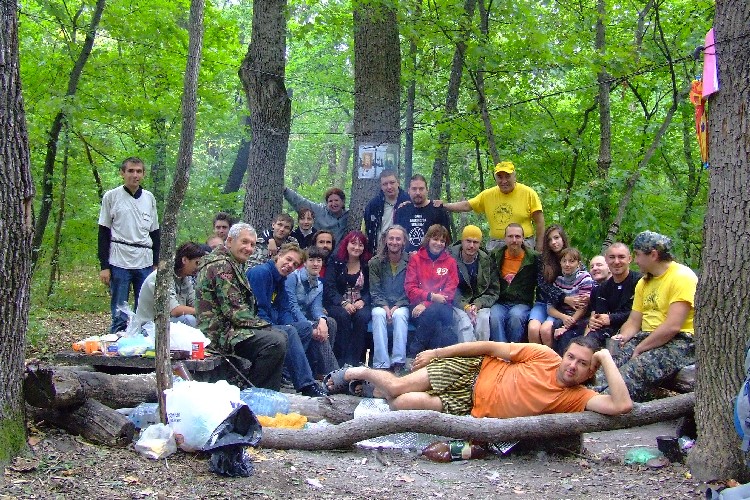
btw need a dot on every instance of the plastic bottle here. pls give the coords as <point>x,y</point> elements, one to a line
<point>265,401</point>
<point>181,371</point>
<point>144,415</point>
<point>451,451</point>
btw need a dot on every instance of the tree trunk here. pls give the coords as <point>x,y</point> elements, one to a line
<point>174,202</point>
<point>440,165</point>
<point>54,132</point>
<point>159,166</point>
<point>377,72</point>
<point>604,160</point>
<point>722,321</point>
<point>481,429</point>
<point>16,231</point>
<point>478,79</point>
<point>54,268</point>
<point>411,94</point>
<point>262,73</point>
<point>234,181</point>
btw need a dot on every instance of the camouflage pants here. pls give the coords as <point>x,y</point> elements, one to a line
<point>650,368</point>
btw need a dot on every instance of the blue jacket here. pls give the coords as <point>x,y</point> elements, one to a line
<point>374,214</point>
<point>265,280</point>
<point>306,301</point>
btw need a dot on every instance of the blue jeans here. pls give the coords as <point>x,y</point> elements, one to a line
<point>380,358</point>
<point>508,322</point>
<point>296,364</point>
<point>187,319</point>
<point>434,329</point>
<point>120,282</point>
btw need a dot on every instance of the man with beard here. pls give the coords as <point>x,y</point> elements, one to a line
<point>418,214</point>
<point>324,240</point>
<point>517,265</point>
<point>390,305</point>
<point>268,283</point>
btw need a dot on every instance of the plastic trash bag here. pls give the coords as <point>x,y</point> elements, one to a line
<point>182,336</point>
<point>229,441</point>
<point>156,442</point>
<point>195,410</point>
<point>231,461</point>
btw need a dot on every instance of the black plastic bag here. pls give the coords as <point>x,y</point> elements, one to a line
<point>228,442</point>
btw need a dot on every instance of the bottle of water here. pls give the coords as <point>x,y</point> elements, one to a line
<point>144,415</point>
<point>265,401</point>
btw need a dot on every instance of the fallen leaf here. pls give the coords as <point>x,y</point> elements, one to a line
<point>405,479</point>
<point>24,464</point>
<point>33,441</point>
<point>130,479</point>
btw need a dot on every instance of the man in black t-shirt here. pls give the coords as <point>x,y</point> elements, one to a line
<point>612,301</point>
<point>417,215</point>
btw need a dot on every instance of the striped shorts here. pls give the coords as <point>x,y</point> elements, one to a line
<point>452,380</point>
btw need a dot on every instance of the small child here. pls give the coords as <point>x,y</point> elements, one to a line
<point>573,281</point>
<point>304,230</point>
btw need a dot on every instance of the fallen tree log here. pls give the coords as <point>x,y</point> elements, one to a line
<point>334,409</point>
<point>58,387</point>
<point>92,420</point>
<point>482,429</point>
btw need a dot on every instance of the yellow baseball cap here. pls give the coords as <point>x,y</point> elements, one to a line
<point>505,166</point>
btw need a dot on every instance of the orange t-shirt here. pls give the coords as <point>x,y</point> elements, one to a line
<point>526,385</point>
<point>510,266</point>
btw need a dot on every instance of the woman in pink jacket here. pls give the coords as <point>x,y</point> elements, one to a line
<point>431,282</point>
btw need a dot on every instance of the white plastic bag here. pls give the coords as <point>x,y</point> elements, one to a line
<point>182,336</point>
<point>156,442</point>
<point>195,409</point>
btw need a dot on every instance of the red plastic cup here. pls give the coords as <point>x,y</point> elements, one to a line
<point>197,351</point>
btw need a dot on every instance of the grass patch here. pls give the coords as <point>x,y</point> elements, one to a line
<point>12,434</point>
<point>77,290</point>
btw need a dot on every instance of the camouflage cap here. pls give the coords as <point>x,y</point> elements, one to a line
<point>649,240</point>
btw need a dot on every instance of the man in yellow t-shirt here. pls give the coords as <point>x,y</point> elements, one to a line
<point>657,338</point>
<point>508,202</point>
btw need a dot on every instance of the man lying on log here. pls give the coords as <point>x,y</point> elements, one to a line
<point>496,379</point>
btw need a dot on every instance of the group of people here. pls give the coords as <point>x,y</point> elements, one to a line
<point>302,302</point>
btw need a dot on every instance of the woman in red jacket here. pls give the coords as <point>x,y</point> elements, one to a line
<point>431,282</point>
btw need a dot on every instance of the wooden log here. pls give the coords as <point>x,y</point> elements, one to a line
<point>482,429</point>
<point>56,387</point>
<point>92,420</point>
<point>334,409</point>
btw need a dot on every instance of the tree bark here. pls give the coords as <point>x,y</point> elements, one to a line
<point>722,321</point>
<point>262,73</point>
<point>174,202</point>
<point>54,132</point>
<point>481,429</point>
<point>158,169</point>
<point>411,93</point>
<point>239,167</point>
<point>604,160</point>
<point>440,165</point>
<point>377,74</point>
<point>478,79</point>
<point>16,232</point>
<point>54,268</point>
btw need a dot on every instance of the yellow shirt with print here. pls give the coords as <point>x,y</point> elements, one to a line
<point>653,297</point>
<point>502,209</point>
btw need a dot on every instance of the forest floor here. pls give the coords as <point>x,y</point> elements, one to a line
<point>58,465</point>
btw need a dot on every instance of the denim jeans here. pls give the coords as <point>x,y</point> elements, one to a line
<point>380,337</point>
<point>296,364</point>
<point>120,283</point>
<point>186,319</point>
<point>508,322</point>
<point>434,329</point>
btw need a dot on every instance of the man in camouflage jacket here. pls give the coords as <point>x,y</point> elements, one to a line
<point>227,312</point>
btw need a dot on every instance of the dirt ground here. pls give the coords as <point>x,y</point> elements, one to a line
<point>59,465</point>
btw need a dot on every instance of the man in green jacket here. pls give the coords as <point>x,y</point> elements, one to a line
<point>228,314</point>
<point>517,265</point>
<point>478,286</point>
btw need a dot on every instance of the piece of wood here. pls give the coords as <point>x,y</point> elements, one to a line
<point>334,409</point>
<point>57,387</point>
<point>92,420</point>
<point>482,429</point>
<point>135,362</point>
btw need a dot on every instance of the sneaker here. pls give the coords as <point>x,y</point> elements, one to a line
<point>313,391</point>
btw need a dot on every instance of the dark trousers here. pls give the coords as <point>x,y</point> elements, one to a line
<point>266,350</point>
<point>351,333</point>
<point>434,328</point>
